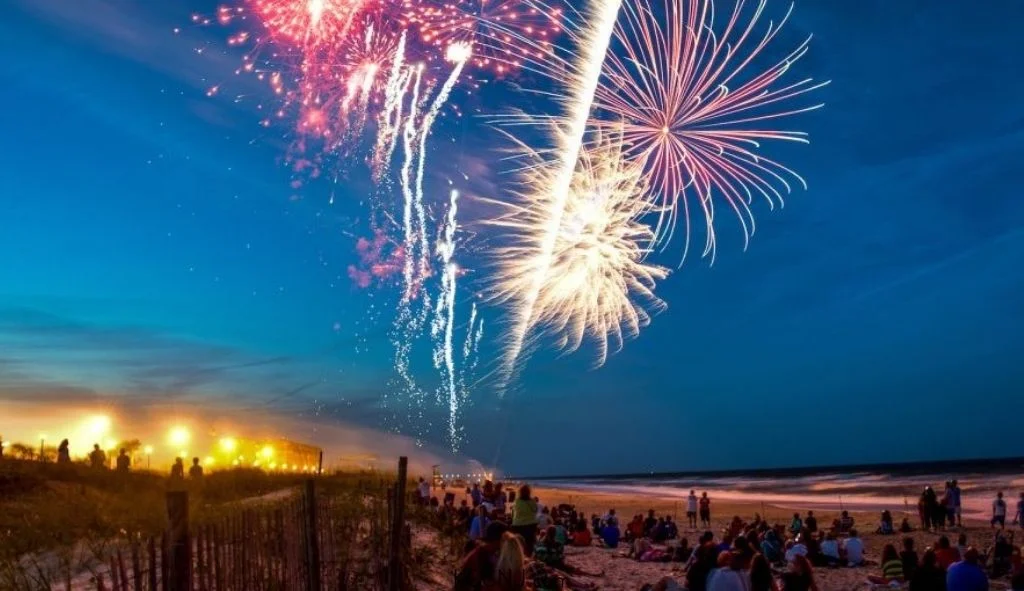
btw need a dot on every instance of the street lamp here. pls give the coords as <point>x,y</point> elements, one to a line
<point>149,452</point>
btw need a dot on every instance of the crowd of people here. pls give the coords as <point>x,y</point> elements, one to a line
<point>517,543</point>
<point>98,460</point>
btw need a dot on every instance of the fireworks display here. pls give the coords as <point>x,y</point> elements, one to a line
<point>693,99</point>
<point>660,112</point>
<point>597,282</point>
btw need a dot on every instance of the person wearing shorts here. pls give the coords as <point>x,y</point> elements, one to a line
<point>705,510</point>
<point>999,510</point>
<point>691,509</point>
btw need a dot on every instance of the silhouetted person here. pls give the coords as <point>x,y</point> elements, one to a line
<point>123,462</point>
<point>195,472</point>
<point>63,454</point>
<point>178,469</point>
<point>97,459</point>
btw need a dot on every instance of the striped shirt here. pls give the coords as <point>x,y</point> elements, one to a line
<point>893,569</point>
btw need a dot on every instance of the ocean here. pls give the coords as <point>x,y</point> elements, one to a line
<point>896,489</point>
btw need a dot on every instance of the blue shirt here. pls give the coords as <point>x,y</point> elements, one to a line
<point>478,527</point>
<point>964,576</point>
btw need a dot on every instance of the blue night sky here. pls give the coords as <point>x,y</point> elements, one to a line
<point>153,250</point>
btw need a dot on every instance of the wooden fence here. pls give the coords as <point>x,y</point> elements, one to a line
<point>356,539</point>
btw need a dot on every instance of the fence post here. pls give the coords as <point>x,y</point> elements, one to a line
<point>312,538</point>
<point>180,578</point>
<point>397,525</point>
<point>320,466</point>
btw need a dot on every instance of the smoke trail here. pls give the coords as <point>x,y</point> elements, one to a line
<point>599,23</point>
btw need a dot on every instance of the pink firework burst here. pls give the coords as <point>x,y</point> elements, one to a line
<point>695,104</point>
<point>505,34</point>
<point>308,22</point>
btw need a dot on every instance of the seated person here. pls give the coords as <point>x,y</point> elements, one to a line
<point>671,531</point>
<point>796,525</point>
<point>854,549</point>
<point>945,554</point>
<point>831,555</point>
<point>909,558</point>
<point>885,526</point>
<point>610,536</point>
<point>845,522</point>
<point>905,527</point>
<point>581,537</point>
<point>892,567</point>
<point>552,554</point>
<point>771,547</point>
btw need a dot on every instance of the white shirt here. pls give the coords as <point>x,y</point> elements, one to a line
<point>424,490</point>
<point>727,579</point>
<point>796,550</point>
<point>854,551</point>
<point>691,504</point>
<point>830,548</point>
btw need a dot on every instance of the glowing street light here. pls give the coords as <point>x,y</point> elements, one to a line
<point>228,444</point>
<point>149,452</point>
<point>178,436</point>
<point>267,452</point>
<point>97,426</point>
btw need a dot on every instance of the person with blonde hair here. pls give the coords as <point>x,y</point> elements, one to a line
<point>509,571</point>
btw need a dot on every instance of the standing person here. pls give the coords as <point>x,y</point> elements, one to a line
<point>691,510</point>
<point>123,461</point>
<point>999,511</point>
<point>1020,511</point>
<point>524,518</point>
<point>967,575</point>
<point>705,510</point>
<point>811,523</point>
<point>63,453</point>
<point>478,526</point>
<point>195,472</point>
<point>957,501</point>
<point>423,491</point>
<point>178,469</point>
<point>97,459</point>
<point>476,495</point>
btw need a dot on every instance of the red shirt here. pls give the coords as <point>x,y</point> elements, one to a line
<point>944,557</point>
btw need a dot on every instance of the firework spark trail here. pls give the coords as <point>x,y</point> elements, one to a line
<point>407,192</point>
<point>595,38</point>
<point>391,114</point>
<point>458,53</point>
<point>446,314</point>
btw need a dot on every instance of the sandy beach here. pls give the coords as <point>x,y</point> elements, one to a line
<point>622,573</point>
